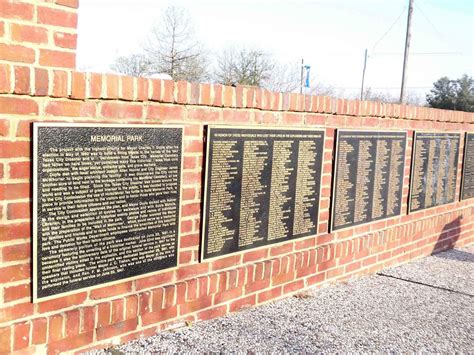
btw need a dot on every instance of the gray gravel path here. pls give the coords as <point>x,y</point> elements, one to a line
<point>373,314</point>
<point>452,270</point>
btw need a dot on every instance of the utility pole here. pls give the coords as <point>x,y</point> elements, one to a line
<point>301,81</point>
<point>363,76</point>
<point>407,49</point>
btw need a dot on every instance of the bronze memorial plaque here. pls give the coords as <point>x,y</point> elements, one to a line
<point>106,203</point>
<point>434,169</point>
<point>368,177</point>
<point>262,187</point>
<point>467,189</point>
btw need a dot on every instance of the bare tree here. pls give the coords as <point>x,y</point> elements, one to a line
<point>134,65</point>
<point>371,95</point>
<point>257,68</point>
<point>322,89</point>
<point>387,97</point>
<point>284,77</point>
<point>172,48</point>
<point>243,66</point>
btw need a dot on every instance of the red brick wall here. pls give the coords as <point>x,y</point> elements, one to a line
<point>38,83</point>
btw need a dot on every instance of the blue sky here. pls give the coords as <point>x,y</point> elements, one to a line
<point>331,35</point>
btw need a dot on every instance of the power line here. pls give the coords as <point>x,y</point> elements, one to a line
<point>389,29</point>
<point>416,53</point>
<point>383,88</point>
<point>355,54</point>
<point>440,35</point>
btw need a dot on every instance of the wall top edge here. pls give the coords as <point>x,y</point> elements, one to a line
<point>76,85</point>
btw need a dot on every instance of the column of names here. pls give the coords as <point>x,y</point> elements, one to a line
<point>272,193</point>
<point>368,178</point>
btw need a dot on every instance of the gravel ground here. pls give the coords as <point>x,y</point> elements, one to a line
<point>374,314</point>
<point>452,270</point>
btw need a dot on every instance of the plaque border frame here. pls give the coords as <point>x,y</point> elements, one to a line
<point>412,165</point>
<point>204,199</point>
<point>334,170</point>
<point>34,219</point>
<point>466,133</point>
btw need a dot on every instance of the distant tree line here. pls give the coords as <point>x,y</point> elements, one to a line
<point>172,48</point>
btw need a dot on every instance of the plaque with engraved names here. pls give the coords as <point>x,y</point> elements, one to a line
<point>368,177</point>
<point>106,204</point>
<point>434,169</point>
<point>467,186</point>
<point>262,187</point>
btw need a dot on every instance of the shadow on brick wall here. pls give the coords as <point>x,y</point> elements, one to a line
<point>448,236</point>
